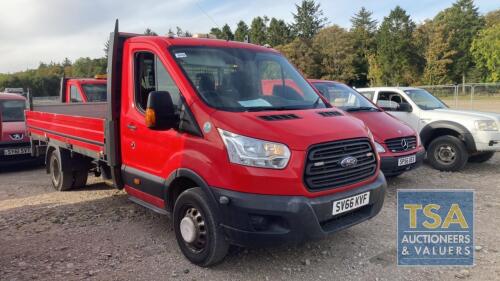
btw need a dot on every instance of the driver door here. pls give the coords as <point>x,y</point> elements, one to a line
<point>391,103</point>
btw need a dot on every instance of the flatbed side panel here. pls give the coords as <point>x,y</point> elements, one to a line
<point>85,132</point>
<point>94,109</point>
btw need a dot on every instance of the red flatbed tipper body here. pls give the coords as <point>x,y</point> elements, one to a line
<point>226,137</point>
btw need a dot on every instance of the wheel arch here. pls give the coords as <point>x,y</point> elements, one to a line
<point>181,180</point>
<point>442,128</point>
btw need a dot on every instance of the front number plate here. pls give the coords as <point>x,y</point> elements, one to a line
<point>17,151</point>
<point>403,161</point>
<point>350,203</point>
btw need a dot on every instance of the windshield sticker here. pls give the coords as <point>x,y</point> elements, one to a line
<point>180,55</point>
<point>254,103</point>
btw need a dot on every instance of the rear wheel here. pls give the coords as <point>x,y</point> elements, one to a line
<point>61,180</point>
<point>67,179</point>
<point>197,230</point>
<point>447,153</point>
<point>481,157</point>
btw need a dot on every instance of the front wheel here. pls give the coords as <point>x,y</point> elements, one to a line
<point>447,153</point>
<point>197,230</point>
<point>481,157</point>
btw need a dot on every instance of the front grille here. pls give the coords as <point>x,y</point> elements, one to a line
<point>13,144</point>
<point>401,144</point>
<point>323,169</point>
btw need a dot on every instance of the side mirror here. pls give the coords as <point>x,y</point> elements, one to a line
<point>160,111</point>
<point>405,107</point>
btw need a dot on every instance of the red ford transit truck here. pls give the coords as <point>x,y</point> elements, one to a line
<point>398,144</point>
<point>188,130</point>
<point>81,90</point>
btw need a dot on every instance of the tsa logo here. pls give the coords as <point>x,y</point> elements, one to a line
<point>435,227</point>
<point>17,136</point>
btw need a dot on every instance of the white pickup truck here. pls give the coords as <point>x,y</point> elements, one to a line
<point>451,137</point>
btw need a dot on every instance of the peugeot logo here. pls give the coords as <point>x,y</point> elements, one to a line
<point>16,137</point>
<point>349,162</point>
<point>404,144</point>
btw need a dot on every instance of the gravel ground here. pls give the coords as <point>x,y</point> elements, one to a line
<point>97,234</point>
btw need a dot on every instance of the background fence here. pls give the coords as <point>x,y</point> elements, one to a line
<point>471,96</point>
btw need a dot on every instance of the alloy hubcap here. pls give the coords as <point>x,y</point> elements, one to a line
<point>193,230</point>
<point>446,154</point>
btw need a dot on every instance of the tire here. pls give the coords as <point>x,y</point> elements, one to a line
<point>393,175</point>
<point>481,157</point>
<point>447,153</point>
<point>61,180</point>
<point>206,244</point>
<point>80,178</point>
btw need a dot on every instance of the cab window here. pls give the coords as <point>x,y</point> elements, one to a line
<point>151,75</point>
<point>74,94</point>
<point>390,101</point>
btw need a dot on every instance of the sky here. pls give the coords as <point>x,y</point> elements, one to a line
<point>34,31</point>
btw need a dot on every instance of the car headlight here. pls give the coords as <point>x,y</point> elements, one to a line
<point>253,152</point>
<point>379,147</point>
<point>486,125</point>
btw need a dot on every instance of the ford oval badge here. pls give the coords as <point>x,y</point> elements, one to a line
<point>348,162</point>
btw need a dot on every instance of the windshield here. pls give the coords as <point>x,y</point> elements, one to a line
<point>95,92</point>
<point>424,99</point>
<point>344,97</point>
<point>12,110</point>
<point>245,80</point>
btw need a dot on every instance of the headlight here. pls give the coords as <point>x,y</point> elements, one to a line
<point>379,147</point>
<point>253,152</point>
<point>486,125</point>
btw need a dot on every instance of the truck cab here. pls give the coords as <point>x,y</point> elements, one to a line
<point>451,137</point>
<point>82,90</point>
<point>14,143</point>
<point>398,144</point>
<point>190,130</point>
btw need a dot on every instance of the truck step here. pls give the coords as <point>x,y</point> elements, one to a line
<point>147,205</point>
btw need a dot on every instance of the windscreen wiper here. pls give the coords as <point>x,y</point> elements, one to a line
<point>361,108</point>
<point>271,108</point>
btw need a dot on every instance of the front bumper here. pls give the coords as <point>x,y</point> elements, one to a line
<point>252,220</point>
<point>7,160</point>
<point>487,140</point>
<point>389,164</point>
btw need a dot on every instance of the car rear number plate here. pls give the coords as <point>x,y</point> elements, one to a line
<point>403,161</point>
<point>350,203</point>
<point>17,151</point>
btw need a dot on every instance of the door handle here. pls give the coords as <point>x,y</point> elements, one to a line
<point>131,127</point>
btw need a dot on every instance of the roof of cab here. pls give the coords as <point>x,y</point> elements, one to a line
<point>386,88</point>
<point>11,96</point>
<point>188,41</point>
<point>88,80</point>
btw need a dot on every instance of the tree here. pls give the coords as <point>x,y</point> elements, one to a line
<point>486,52</point>
<point>302,54</point>
<point>461,23</point>
<point>438,57</point>
<point>395,50</point>
<point>335,48</point>
<point>492,18</point>
<point>363,31</point>
<point>241,31</point>
<point>227,33</point>
<point>278,32</point>
<point>149,32</point>
<point>180,33</point>
<point>217,32</point>
<point>258,31</point>
<point>308,19</point>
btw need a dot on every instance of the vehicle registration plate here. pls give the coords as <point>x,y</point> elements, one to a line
<point>17,151</point>
<point>350,203</point>
<point>403,161</point>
